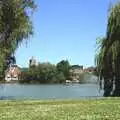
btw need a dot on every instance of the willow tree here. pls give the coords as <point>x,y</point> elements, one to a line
<point>113,42</point>
<point>105,68</point>
<point>15,26</point>
<point>108,58</point>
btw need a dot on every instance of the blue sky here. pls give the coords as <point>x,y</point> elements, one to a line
<point>65,29</point>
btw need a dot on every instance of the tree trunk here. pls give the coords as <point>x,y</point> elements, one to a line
<point>108,87</point>
<point>117,78</point>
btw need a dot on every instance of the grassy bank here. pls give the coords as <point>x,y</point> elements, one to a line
<point>105,109</point>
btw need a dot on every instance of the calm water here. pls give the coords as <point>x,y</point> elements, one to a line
<point>76,91</point>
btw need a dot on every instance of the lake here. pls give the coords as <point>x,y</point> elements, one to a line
<point>71,91</point>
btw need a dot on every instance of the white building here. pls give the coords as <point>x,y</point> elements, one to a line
<point>12,73</point>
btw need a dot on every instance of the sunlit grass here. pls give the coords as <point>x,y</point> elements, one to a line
<point>104,109</point>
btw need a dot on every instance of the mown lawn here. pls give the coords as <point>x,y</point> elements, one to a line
<point>104,109</point>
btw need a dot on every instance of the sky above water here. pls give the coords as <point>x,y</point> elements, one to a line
<point>65,29</point>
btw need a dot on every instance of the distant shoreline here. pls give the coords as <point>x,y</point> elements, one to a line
<point>44,83</point>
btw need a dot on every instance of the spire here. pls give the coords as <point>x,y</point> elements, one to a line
<point>32,62</point>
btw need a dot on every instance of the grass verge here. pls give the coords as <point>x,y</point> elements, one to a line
<point>103,109</point>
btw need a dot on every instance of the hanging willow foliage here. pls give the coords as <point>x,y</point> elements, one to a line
<point>15,25</point>
<point>108,57</point>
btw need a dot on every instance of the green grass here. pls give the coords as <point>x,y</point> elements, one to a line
<point>104,109</point>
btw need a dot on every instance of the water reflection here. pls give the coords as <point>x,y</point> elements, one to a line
<point>74,91</point>
<point>2,86</point>
<point>7,98</point>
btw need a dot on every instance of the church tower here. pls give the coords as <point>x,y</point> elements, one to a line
<point>32,62</point>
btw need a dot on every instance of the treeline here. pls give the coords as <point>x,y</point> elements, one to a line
<point>46,73</point>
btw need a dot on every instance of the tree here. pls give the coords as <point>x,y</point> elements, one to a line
<point>59,77</point>
<point>64,66</point>
<point>108,58</point>
<point>43,73</point>
<point>113,43</point>
<point>15,26</point>
<point>104,68</point>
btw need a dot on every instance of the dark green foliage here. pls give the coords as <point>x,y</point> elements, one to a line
<point>64,67</point>
<point>15,26</point>
<point>108,57</point>
<point>43,73</point>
